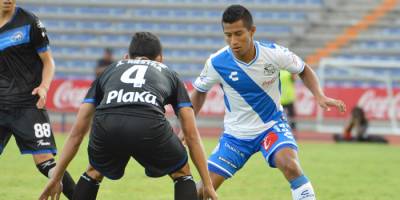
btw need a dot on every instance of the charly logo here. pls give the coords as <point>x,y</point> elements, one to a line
<point>269,69</point>
<point>17,36</point>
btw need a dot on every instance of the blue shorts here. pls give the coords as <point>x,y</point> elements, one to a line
<point>232,153</point>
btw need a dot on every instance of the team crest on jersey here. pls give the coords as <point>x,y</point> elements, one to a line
<point>269,69</point>
<point>17,36</point>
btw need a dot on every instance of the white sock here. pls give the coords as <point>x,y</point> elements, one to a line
<point>304,192</point>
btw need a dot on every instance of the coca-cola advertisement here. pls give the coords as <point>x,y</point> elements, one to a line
<point>67,95</point>
<point>374,100</point>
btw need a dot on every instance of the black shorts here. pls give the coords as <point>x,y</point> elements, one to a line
<point>115,138</point>
<point>31,129</point>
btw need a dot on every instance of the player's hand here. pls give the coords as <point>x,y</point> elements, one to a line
<point>326,103</point>
<point>53,190</point>
<point>41,91</point>
<point>209,193</point>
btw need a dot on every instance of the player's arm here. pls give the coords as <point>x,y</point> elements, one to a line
<point>79,129</point>
<point>310,80</point>
<point>40,43</point>
<point>197,98</point>
<point>196,148</point>
<point>47,77</point>
<point>202,84</point>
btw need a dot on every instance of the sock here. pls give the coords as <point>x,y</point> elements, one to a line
<point>47,168</point>
<point>86,189</point>
<point>185,188</point>
<point>302,189</point>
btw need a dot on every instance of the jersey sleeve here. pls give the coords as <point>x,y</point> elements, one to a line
<point>38,35</point>
<point>208,77</point>
<point>180,97</point>
<point>289,61</point>
<point>94,94</point>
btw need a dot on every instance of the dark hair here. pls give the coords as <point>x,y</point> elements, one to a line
<point>358,114</point>
<point>145,44</point>
<point>108,50</point>
<point>235,13</point>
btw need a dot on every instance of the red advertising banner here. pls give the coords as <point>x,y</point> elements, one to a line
<point>375,101</point>
<point>67,95</point>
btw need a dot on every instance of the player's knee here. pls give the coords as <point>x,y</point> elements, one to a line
<point>291,167</point>
<point>94,174</point>
<point>184,171</point>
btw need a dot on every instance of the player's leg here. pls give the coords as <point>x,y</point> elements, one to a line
<point>6,118</point>
<point>5,135</point>
<point>184,185</point>
<point>228,157</point>
<point>161,152</point>
<point>45,163</point>
<point>286,160</point>
<point>167,155</point>
<point>33,135</point>
<point>280,150</point>
<point>88,185</point>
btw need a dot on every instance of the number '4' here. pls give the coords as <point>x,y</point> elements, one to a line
<point>138,80</point>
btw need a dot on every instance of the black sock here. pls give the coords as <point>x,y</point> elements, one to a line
<point>185,188</point>
<point>86,189</point>
<point>67,181</point>
<point>68,185</point>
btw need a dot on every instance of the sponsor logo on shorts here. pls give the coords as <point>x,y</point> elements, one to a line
<point>234,149</point>
<point>269,141</point>
<point>131,97</point>
<point>42,143</point>
<point>227,162</point>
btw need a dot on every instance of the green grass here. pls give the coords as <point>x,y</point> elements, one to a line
<point>337,171</point>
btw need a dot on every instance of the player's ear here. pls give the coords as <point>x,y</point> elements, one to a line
<point>159,58</point>
<point>253,30</point>
<point>126,56</point>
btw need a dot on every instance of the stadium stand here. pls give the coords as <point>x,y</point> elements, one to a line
<point>190,31</point>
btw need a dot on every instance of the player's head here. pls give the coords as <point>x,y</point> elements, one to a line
<point>145,44</point>
<point>238,27</point>
<point>7,5</point>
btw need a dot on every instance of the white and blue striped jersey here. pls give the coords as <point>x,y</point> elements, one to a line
<point>251,91</point>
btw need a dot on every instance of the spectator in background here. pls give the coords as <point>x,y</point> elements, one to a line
<point>359,125</point>
<point>288,96</point>
<point>105,61</point>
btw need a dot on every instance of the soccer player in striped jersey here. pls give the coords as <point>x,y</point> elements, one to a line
<point>248,72</point>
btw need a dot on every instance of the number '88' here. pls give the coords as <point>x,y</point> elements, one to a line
<point>42,130</point>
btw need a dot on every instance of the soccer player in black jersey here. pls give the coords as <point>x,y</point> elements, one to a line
<point>26,71</point>
<point>126,104</point>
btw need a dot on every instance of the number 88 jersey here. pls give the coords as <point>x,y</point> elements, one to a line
<point>143,87</point>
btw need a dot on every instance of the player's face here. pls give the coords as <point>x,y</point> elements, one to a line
<point>239,37</point>
<point>7,5</point>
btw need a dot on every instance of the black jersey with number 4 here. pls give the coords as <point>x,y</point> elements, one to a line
<point>141,87</point>
<point>21,41</point>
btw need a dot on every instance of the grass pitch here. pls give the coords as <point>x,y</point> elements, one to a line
<point>337,171</point>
